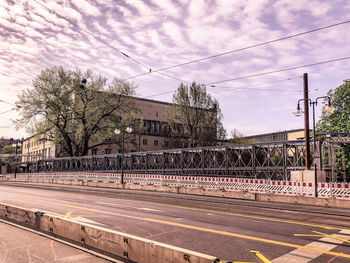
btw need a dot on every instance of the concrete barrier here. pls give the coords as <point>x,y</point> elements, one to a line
<point>121,245</point>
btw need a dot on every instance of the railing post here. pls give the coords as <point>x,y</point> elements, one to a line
<point>226,160</point>
<point>285,161</point>
<point>254,161</point>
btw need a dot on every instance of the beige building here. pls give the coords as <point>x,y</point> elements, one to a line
<point>156,130</point>
<point>155,136</point>
<point>38,147</point>
<point>288,135</point>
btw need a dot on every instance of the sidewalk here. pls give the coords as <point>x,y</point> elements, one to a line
<point>18,245</point>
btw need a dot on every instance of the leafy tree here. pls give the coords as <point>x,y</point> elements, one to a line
<point>8,149</point>
<point>195,119</point>
<point>339,120</point>
<point>77,110</point>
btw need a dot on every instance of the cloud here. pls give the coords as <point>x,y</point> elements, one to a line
<point>87,8</point>
<point>164,33</point>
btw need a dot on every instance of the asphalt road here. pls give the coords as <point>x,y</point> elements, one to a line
<point>236,230</point>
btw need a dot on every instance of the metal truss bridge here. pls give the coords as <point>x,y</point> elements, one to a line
<point>274,160</point>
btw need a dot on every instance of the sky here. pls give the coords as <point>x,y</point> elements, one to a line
<point>161,33</point>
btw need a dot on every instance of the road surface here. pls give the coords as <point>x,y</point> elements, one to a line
<point>236,230</point>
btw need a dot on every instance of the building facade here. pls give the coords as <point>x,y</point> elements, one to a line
<point>38,147</point>
<point>287,135</point>
<point>154,137</point>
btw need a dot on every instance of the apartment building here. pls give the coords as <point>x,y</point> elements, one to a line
<point>156,129</point>
<point>38,147</point>
<point>155,135</point>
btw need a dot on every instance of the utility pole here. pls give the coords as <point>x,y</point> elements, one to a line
<point>306,122</point>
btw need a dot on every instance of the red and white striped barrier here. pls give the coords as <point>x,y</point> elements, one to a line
<point>325,190</point>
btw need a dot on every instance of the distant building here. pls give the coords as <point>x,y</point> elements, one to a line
<point>155,137</point>
<point>288,135</point>
<point>38,147</point>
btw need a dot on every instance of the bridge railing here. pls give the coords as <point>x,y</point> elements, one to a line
<point>273,160</point>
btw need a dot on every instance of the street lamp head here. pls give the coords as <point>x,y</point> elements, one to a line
<point>117,131</point>
<point>298,111</point>
<point>329,109</point>
<point>128,130</point>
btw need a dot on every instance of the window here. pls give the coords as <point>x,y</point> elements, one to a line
<point>107,151</point>
<point>147,125</point>
<point>144,141</point>
<point>166,143</point>
<point>156,113</point>
<point>94,151</point>
<point>155,142</point>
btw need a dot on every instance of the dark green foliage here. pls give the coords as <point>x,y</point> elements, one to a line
<point>195,119</point>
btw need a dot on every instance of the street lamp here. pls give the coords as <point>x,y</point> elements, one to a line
<point>117,132</point>
<point>329,109</point>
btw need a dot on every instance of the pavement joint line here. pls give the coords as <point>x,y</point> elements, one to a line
<point>264,240</point>
<point>82,249</point>
<point>243,215</point>
<point>260,256</point>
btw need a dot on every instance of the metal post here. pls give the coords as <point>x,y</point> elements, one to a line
<point>15,161</point>
<point>314,143</point>
<point>122,161</point>
<point>306,122</point>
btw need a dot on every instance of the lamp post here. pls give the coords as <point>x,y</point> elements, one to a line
<point>117,132</point>
<point>328,109</point>
<point>16,156</point>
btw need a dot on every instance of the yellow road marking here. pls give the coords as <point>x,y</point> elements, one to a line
<point>68,215</point>
<point>332,236</point>
<point>264,240</point>
<point>24,197</point>
<point>249,237</point>
<point>320,234</point>
<point>261,256</point>
<point>243,215</point>
<point>84,208</point>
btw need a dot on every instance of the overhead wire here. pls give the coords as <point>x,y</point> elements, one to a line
<point>105,42</point>
<point>278,70</point>
<point>237,88</point>
<point>7,102</point>
<point>242,49</point>
<point>91,34</point>
<point>7,111</point>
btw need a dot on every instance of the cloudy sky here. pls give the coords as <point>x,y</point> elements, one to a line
<point>162,33</point>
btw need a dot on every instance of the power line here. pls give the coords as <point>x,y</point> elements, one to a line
<point>237,88</point>
<point>244,48</point>
<point>7,102</point>
<point>279,70</point>
<point>97,38</point>
<point>106,43</point>
<point>6,111</point>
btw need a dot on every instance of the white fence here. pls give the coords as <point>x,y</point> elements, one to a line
<point>325,190</point>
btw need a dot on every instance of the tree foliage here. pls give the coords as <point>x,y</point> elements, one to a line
<point>8,149</point>
<point>77,110</point>
<point>195,118</point>
<point>339,120</point>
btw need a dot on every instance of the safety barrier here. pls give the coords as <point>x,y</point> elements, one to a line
<point>325,190</point>
<point>123,246</point>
